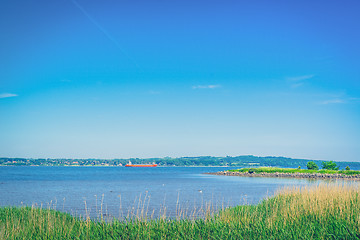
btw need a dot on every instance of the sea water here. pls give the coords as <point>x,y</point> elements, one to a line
<point>118,192</point>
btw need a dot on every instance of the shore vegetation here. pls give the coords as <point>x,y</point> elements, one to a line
<point>325,211</point>
<point>294,170</point>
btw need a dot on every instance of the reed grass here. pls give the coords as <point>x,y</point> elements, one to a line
<point>325,211</point>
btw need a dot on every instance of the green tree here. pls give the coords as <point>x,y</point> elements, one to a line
<point>312,166</point>
<point>330,165</point>
<point>347,168</point>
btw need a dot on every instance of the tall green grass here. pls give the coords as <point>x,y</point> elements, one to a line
<point>320,212</point>
<point>295,170</point>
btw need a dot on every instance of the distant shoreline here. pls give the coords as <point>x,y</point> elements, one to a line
<point>288,175</point>
<point>198,161</point>
<point>110,166</point>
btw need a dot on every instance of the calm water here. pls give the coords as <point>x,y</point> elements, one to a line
<point>123,190</point>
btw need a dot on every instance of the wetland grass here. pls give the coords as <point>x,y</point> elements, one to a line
<point>325,211</point>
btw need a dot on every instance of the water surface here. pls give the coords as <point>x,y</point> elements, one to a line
<point>119,191</point>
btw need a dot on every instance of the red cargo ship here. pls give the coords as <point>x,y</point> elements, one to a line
<point>140,165</point>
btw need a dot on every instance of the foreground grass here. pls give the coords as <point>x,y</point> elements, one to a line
<point>295,170</point>
<point>321,212</point>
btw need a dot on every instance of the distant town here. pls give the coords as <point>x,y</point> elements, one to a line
<point>228,161</point>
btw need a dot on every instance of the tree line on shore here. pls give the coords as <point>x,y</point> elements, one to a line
<point>229,161</point>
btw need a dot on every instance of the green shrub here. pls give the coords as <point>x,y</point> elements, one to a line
<point>329,165</point>
<point>312,166</point>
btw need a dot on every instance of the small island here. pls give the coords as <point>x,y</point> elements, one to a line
<point>330,171</point>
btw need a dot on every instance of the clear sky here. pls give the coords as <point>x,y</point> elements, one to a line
<point>118,79</point>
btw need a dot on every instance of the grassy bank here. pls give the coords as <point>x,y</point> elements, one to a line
<point>295,170</point>
<point>321,212</point>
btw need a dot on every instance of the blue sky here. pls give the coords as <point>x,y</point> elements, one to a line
<point>118,79</point>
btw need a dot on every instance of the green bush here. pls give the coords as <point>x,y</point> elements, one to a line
<point>329,165</point>
<point>347,168</point>
<point>312,166</point>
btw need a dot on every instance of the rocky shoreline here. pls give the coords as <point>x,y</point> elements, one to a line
<point>288,175</point>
